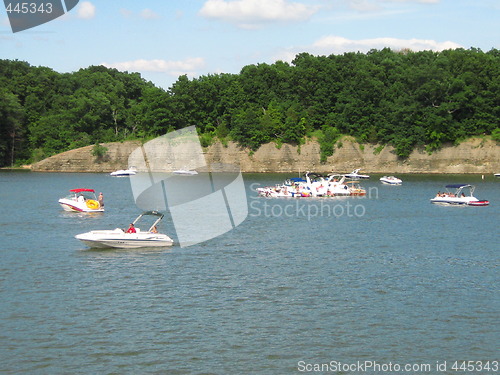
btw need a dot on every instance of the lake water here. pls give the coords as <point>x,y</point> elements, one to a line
<point>299,284</point>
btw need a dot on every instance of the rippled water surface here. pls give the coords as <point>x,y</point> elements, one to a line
<point>389,278</point>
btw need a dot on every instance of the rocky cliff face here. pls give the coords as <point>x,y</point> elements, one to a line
<point>472,156</point>
<point>82,160</point>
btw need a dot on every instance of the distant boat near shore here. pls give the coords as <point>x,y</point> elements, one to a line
<point>355,175</point>
<point>124,172</point>
<point>391,180</point>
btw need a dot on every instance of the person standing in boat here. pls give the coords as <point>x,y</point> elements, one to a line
<point>101,200</point>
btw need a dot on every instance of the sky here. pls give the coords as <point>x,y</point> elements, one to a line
<point>163,39</point>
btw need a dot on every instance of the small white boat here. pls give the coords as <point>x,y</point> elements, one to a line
<point>355,189</point>
<point>461,197</point>
<point>497,174</point>
<point>185,172</point>
<point>118,238</point>
<point>81,200</point>
<point>124,172</point>
<point>355,175</point>
<point>391,180</point>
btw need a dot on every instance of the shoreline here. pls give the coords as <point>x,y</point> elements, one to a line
<point>435,173</point>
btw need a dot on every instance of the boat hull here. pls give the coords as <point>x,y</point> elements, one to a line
<point>479,203</point>
<point>386,182</point>
<point>123,173</point>
<point>119,239</point>
<point>72,206</point>
<point>357,176</point>
<point>459,202</point>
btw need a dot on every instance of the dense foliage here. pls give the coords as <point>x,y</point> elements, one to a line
<point>401,98</point>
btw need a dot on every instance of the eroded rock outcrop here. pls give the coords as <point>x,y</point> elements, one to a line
<point>473,156</point>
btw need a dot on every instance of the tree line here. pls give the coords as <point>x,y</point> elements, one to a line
<point>402,98</point>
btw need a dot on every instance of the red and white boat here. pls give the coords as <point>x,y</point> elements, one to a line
<point>461,197</point>
<point>81,200</point>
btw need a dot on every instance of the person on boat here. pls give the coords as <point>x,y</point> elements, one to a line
<point>154,230</point>
<point>131,228</point>
<point>81,198</point>
<point>100,199</point>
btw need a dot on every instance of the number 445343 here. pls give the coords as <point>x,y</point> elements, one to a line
<point>32,8</point>
<point>468,366</point>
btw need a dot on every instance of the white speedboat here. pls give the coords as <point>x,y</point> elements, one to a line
<point>81,200</point>
<point>124,172</point>
<point>497,174</point>
<point>355,175</point>
<point>118,238</point>
<point>335,186</point>
<point>391,180</point>
<point>461,197</point>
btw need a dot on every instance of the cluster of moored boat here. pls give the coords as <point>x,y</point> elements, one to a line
<point>314,185</point>
<point>318,185</point>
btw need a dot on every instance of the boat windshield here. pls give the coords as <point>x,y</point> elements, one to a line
<point>149,216</point>
<point>85,195</point>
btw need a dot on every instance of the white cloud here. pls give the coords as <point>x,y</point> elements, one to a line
<point>86,10</point>
<point>148,14</point>
<point>334,44</point>
<point>126,13</point>
<point>175,68</point>
<point>254,13</point>
<point>364,5</point>
<point>378,5</point>
<point>338,44</point>
<point>414,1</point>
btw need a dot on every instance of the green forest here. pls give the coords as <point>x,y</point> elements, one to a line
<point>401,98</point>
